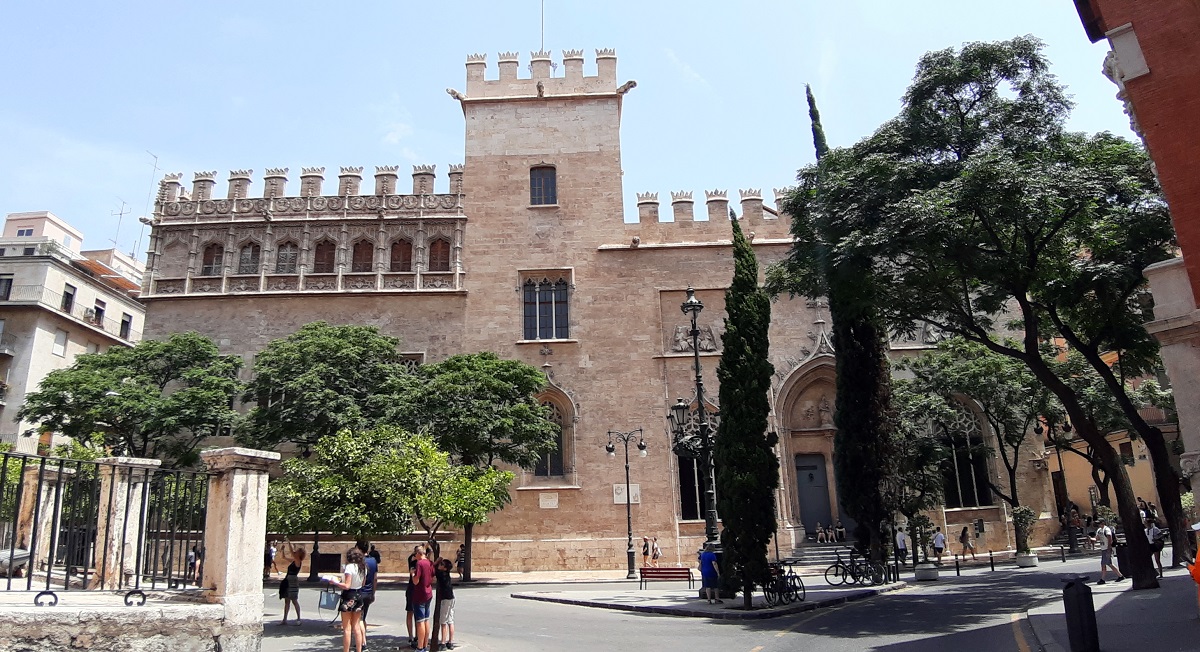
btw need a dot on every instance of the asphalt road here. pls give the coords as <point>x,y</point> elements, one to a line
<point>979,612</point>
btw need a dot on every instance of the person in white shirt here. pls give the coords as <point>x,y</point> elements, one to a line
<point>353,574</point>
<point>939,544</point>
<point>1105,537</point>
<point>1155,536</point>
<point>901,545</point>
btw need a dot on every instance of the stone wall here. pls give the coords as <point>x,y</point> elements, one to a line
<point>150,628</point>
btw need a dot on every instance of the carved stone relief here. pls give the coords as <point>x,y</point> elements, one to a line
<point>710,336</point>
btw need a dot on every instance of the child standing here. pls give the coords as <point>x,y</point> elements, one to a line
<point>445,589</point>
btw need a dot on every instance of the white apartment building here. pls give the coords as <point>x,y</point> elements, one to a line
<point>56,302</point>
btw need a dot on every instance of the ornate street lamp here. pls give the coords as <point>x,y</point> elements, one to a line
<point>684,443</point>
<point>625,438</point>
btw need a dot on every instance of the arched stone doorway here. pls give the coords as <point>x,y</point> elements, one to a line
<point>806,433</point>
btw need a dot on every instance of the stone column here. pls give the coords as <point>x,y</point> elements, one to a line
<point>235,531</point>
<point>41,506</point>
<point>119,527</point>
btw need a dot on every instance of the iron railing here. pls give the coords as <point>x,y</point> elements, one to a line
<point>74,525</point>
<point>52,299</point>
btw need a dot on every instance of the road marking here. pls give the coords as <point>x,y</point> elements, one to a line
<point>757,649</point>
<point>1022,644</point>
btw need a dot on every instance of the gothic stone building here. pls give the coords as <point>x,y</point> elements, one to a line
<point>524,251</point>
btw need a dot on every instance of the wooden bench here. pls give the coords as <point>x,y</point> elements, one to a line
<point>651,574</point>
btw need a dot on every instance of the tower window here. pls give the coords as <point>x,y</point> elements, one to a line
<point>439,256</point>
<point>546,310</point>
<point>286,258</point>
<point>543,186</point>
<point>401,256</point>
<point>364,256</point>
<point>323,257</point>
<point>248,259</point>
<point>212,260</point>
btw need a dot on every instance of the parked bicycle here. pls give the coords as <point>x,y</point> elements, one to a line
<point>785,586</point>
<point>855,571</point>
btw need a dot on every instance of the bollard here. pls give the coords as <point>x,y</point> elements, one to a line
<point>1063,551</point>
<point>991,560</point>
<point>1081,616</point>
<point>957,570</point>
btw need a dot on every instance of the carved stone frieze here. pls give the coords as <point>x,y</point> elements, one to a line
<point>364,282</point>
<point>1189,464</point>
<point>213,285</point>
<point>437,282</point>
<point>320,283</point>
<point>283,283</point>
<point>399,282</point>
<point>710,336</point>
<point>168,287</point>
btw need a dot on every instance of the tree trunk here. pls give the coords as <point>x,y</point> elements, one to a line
<point>1167,483</point>
<point>1101,479</point>
<point>468,532</point>
<point>1144,575</point>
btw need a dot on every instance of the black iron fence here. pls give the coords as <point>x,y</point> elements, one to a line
<point>124,526</point>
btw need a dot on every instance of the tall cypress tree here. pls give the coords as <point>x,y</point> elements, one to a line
<point>863,453</point>
<point>748,474</point>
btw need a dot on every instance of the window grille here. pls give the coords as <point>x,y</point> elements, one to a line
<point>248,259</point>
<point>543,186</point>
<point>287,258</point>
<point>212,260</point>
<point>547,314</point>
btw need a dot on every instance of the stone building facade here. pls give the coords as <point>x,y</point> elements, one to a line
<point>524,250</point>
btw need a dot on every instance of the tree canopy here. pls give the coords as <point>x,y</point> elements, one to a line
<point>980,214</point>
<point>156,399</point>
<point>317,381</point>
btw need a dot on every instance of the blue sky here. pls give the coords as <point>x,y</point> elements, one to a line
<point>89,88</point>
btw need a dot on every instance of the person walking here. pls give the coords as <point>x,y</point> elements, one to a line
<point>354,573</point>
<point>710,574</point>
<point>367,593</point>
<point>655,552</point>
<point>445,601</point>
<point>901,545</point>
<point>422,583</point>
<point>967,543</point>
<point>289,586</point>
<point>939,544</point>
<point>1105,538</point>
<point>645,552</point>
<point>460,560</point>
<point>1154,535</point>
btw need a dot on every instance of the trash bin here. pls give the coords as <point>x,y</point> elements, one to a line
<point>1122,554</point>
<point>1081,617</point>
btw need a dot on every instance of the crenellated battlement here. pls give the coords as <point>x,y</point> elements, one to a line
<point>767,224</point>
<point>174,202</point>
<point>542,80</point>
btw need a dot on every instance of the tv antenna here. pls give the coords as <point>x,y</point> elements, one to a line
<point>120,216</point>
<point>146,216</point>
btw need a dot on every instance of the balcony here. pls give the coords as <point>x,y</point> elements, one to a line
<point>44,297</point>
<point>8,344</point>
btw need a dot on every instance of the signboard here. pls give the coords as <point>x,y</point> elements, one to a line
<point>635,494</point>
<point>548,500</point>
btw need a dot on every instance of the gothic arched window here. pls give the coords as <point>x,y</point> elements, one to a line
<point>248,259</point>
<point>547,315</point>
<point>364,256</point>
<point>213,260</point>
<point>324,256</point>
<point>552,463</point>
<point>287,257</point>
<point>402,256</point>
<point>965,473</point>
<point>439,256</point>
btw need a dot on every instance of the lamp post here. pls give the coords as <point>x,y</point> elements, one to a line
<point>678,418</point>
<point>625,438</point>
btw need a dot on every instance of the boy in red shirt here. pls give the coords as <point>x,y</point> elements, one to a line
<point>422,588</point>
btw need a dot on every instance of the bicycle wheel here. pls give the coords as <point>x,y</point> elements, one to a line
<point>785,590</point>
<point>877,573</point>
<point>770,594</point>
<point>835,575</point>
<point>861,574</point>
<point>797,587</point>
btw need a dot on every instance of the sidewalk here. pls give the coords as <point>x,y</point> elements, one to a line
<point>1161,620</point>
<point>681,601</point>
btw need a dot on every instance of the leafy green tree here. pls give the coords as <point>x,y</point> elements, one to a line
<point>1009,398</point>
<point>984,217</point>
<point>460,495</point>
<point>317,381</point>
<point>357,483</point>
<point>157,399</point>
<point>483,410</point>
<point>749,471</point>
<point>863,444</point>
<point>920,453</point>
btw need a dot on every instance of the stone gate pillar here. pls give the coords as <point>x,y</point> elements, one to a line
<point>41,508</point>
<point>235,531</point>
<point>122,511</point>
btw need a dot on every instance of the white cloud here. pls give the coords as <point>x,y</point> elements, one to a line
<point>684,69</point>
<point>394,123</point>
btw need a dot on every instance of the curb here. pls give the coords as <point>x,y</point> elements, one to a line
<point>727,614</point>
<point>1043,636</point>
